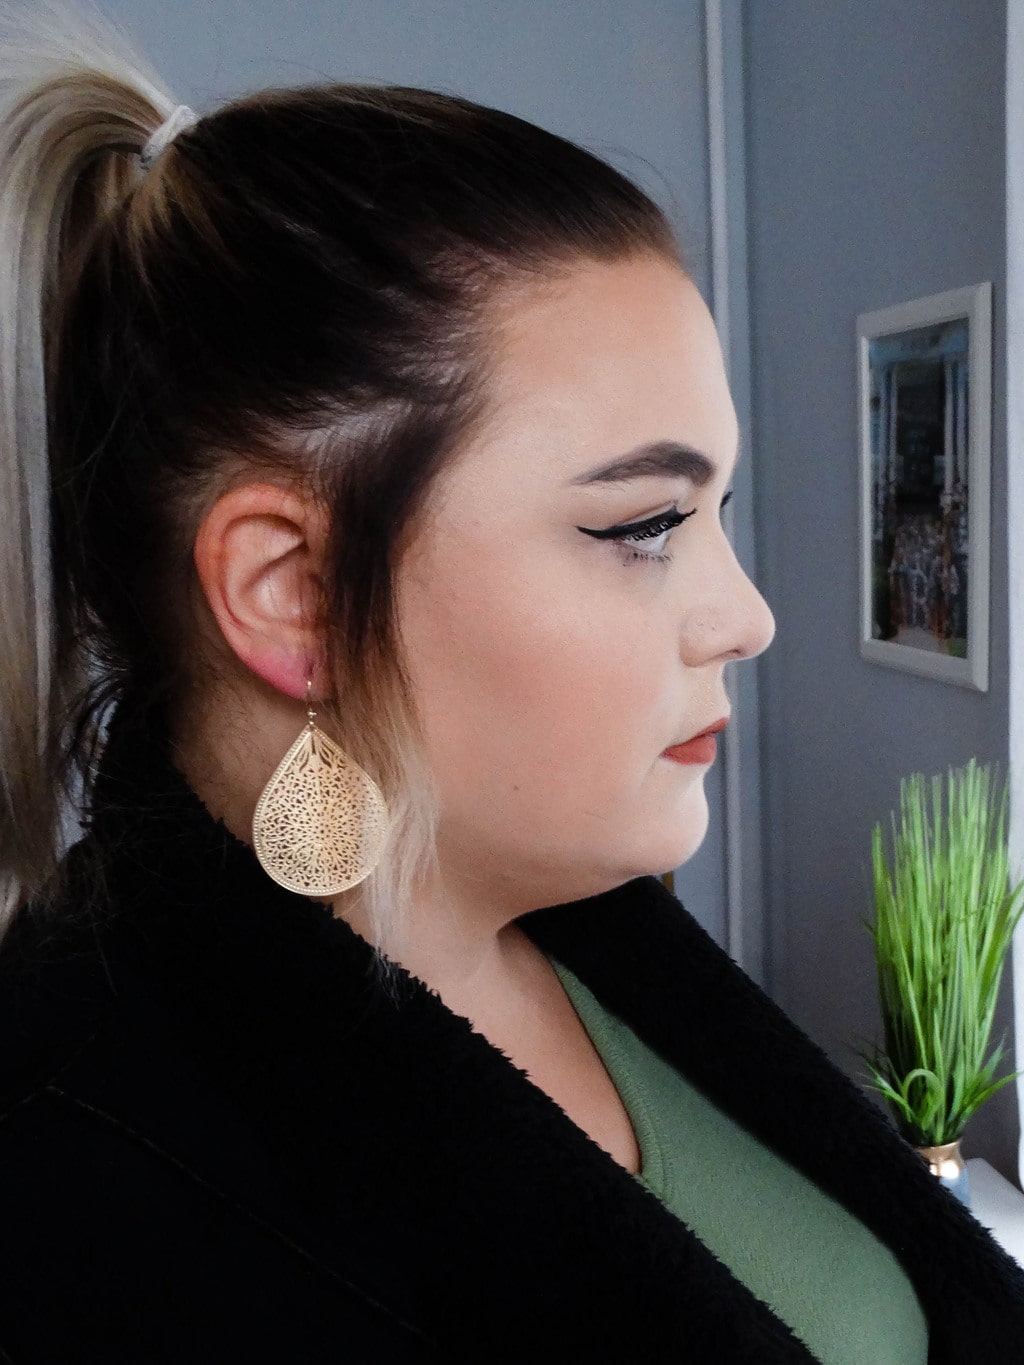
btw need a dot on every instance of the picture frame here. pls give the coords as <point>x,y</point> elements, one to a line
<point>924,371</point>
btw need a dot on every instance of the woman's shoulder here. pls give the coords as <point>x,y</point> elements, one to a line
<point>141,1215</point>
<point>127,1236</point>
<point>85,1044</point>
<point>53,993</point>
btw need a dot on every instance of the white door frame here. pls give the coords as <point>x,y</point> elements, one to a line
<point>741,786</point>
<point>1015,494</point>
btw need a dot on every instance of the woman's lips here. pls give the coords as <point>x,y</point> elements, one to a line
<point>703,748</point>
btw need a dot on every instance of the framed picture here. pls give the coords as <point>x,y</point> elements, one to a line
<point>925,391</point>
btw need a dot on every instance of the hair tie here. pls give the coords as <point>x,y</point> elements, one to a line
<point>182,118</point>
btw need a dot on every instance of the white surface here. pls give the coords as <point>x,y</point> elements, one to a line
<point>740,775</point>
<point>1015,488</point>
<point>998,1206</point>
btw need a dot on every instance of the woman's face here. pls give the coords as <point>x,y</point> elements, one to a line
<point>552,668</point>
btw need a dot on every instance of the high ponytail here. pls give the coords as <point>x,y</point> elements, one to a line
<point>74,99</point>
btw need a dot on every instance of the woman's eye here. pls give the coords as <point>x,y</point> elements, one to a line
<point>653,536</point>
<point>654,529</point>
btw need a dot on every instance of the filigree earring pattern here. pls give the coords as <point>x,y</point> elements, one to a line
<point>320,823</point>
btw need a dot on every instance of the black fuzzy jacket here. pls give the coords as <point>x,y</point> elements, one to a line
<point>221,1141</point>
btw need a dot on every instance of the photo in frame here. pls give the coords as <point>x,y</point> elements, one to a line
<point>925,402</point>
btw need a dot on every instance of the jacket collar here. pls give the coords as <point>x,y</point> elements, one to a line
<point>407,1155</point>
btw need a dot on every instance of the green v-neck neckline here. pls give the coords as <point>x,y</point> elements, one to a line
<point>603,1030</point>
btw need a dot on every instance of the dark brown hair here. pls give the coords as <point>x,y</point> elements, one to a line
<point>301,284</point>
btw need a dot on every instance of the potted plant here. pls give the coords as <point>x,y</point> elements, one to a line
<point>945,912</point>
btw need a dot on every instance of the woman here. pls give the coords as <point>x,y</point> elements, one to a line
<point>366,448</point>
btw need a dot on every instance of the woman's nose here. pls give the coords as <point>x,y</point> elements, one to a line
<point>733,621</point>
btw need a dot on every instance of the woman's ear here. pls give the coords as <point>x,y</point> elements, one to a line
<point>259,556</point>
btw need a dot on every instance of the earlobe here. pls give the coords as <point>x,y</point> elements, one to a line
<point>259,554</point>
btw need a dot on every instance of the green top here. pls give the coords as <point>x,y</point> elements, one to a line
<point>816,1266</point>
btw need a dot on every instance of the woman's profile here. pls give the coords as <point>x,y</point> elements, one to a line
<point>366,597</point>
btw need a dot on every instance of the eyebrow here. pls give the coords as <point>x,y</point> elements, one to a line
<point>659,460</point>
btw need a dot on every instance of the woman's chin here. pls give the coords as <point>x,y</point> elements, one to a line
<point>688,839</point>
<point>678,841</point>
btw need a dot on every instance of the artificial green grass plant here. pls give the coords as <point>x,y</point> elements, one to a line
<point>945,912</point>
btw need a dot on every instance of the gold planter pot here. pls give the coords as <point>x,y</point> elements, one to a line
<point>947,1164</point>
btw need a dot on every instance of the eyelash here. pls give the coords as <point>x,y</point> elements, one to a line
<point>648,530</point>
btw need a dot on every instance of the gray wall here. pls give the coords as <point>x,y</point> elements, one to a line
<point>876,158</point>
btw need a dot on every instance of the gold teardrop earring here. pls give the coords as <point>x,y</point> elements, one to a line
<point>321,821</point>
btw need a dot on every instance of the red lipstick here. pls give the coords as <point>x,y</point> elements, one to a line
<point>701,748</point>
